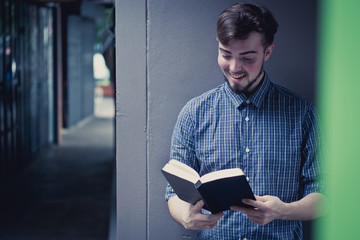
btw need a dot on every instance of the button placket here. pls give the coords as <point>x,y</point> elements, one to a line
<point>247,127</point>
<point>247,119</point>
<point>245,132</point>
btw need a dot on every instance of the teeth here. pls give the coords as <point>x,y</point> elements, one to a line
<point>237,76</point>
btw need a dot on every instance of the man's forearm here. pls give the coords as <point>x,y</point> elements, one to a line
<point>269,208</point>
<point>310,207</point>
<point>190,216</point>
<point>176,208</point>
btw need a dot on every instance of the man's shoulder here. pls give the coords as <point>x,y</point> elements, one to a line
<point>288,95</point>
<point>199,106</point>
<point>207,98</point>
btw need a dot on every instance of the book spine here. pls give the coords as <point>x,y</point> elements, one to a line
<point>198,184</point>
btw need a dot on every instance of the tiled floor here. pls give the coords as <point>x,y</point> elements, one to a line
<point>65,192</point>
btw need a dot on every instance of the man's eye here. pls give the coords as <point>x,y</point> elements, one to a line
<point>226,57</point>
<point>247,59</point>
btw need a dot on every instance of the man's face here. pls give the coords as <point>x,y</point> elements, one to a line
<point>242,62</point>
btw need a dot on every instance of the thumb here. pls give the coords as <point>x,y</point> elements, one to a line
<point>199,205</point>
<point>262,198</point>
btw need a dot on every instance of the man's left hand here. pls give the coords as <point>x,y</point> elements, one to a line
<point>266,209</point>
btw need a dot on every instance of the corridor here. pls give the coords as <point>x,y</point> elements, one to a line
<point>65,193</point>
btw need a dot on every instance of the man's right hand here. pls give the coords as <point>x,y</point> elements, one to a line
<point>190,216</point>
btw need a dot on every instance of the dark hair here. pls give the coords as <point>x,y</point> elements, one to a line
<point>237,21</point>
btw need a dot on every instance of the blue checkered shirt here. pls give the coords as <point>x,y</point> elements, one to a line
<point>271,136</point>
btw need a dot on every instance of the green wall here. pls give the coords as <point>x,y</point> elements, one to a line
<point>339,100</point>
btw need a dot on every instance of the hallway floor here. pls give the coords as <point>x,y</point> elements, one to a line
<point>65,192</point>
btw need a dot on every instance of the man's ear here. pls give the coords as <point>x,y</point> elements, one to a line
<point>268,52</point>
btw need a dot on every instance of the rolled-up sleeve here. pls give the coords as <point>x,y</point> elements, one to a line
<point>182,143</point>
<point>312,169</point>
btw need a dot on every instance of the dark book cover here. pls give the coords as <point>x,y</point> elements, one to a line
<point>221,194</point>
<point>218,194</point>
<point>185,189</point>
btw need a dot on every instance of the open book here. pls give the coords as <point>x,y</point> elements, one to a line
<point>219,190</point>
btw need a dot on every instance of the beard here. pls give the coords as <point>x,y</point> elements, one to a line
<point>245,90</point>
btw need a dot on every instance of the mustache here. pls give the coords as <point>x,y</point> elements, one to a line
<point>238,73</point>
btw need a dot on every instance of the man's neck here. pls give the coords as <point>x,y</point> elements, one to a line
<point>261,77</point>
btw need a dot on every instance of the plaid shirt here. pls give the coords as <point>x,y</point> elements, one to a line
<point>271,136</point>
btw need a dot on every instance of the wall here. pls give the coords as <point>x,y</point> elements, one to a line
<point>167,54</point>
<point>131,109</point>
<point>79,100</point>
<point>26,77</point>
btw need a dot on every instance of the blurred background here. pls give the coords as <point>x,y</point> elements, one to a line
<point>57,153</point>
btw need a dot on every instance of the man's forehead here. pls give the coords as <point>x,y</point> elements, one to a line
<point>252,42</point>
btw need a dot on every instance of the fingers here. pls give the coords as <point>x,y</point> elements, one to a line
<point>238,208</point>
<point>256,204</point>
<point>198,206</point>
<point>210,221</point>
<point>258,220</point>
<point>266,209</point>
<point>254,214</point>
<point>196,220</point>
<point>248,211</point>
<point>202,221</point>
<point>216,217</point>
<point>211,217</point>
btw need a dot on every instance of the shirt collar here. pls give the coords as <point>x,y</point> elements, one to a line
<point>256,98</point>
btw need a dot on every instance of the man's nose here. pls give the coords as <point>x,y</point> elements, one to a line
<point>235,65</point>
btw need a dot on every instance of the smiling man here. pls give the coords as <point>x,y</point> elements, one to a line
<point>242,62</point>
<point>254,124</point>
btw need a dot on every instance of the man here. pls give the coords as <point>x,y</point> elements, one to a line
<point>251,123</point>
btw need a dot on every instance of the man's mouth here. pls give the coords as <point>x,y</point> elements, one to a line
<point>237,76</point>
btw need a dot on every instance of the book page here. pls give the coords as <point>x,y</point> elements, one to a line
<point>181,170</point>
<point>184,167</point>
<point>221,174</point>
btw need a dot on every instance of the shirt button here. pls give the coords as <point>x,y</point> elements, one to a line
<point>245,239</point>
<point>248,101</point>
<point>247,119</point>
<point>247,150</point>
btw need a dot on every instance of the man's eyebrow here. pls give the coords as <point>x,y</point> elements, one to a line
<point>224,50</point>
<point>243,53</point>
<point>248,52</point>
